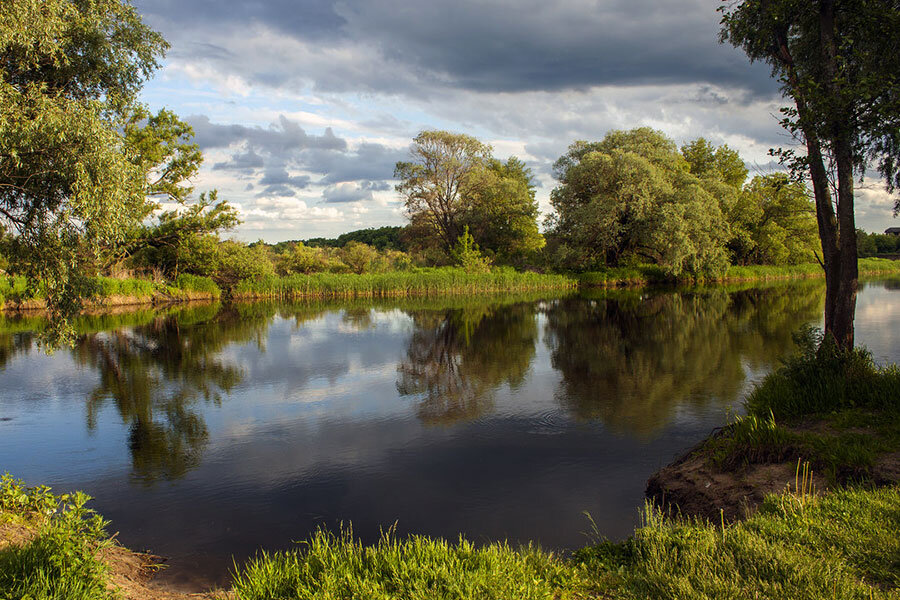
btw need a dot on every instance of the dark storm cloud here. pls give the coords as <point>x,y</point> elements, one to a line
<point>279,138</point>
<point>489,46</point>
<point>309,18</point>
<point>371,162</point>
<point>269,154</point>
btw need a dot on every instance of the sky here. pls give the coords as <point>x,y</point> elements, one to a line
<point>303,107</point>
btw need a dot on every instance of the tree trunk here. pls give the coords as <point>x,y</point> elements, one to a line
<point>845,279</point>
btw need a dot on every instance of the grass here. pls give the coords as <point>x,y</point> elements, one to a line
<point>60,561</point>
<point>837,410</point>
<point>653,274</point>
<point>329,566</point>
<point>415,282</point>
<point>799,546</point>
<point>843,545</point>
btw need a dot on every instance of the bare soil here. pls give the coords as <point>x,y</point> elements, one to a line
<point>695,487</point>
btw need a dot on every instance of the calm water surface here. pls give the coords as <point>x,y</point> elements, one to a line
<point>208,432</point>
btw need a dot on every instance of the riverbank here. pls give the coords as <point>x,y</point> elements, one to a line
<point>654,275</point>
<point>445,281</point>
<point>423,282</point>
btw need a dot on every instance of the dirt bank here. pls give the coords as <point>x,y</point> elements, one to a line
<point>131,573</point>
<point>695,486</point>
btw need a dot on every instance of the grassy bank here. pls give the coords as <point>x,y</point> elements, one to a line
<point>109,291</point>
<point>415,282</point>
<point>653,274</point>
<point>53,545</point>
<point>799,546</point>
<point>837,410</point>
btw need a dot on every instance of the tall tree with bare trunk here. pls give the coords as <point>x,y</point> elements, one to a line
<point>838,61</point>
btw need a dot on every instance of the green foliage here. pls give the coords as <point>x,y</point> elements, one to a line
<point>71,70</point>
<point>359,257</point>
<point>240,262</point>
<point>185,239</point>
<point>870,244</point>
<point>467,255</point>
<point>414,282</point>
<point>454,182</point>
<point>723,163</point>
<point>60,562</point>
<point>774,223</point>
<point>823,378</point>
<point>138,288</point>
<point>632,198</point>
<point>502,211</point>
<point>330,566</point>
<point>193,283</point>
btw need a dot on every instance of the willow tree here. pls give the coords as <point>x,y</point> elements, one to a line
<point>631,196</point>
<point>838,63</point>
<point>82,163</point>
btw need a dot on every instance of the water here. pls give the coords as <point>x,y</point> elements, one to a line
<point>207,432</point>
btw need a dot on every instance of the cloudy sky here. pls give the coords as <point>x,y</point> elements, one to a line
<point>302,107</point>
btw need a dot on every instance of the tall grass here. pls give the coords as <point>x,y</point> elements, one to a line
<point>843,545</point>
<point>654,274</point>
<point>415,282</point>
<point>834,408</point>
<point>329,566</point>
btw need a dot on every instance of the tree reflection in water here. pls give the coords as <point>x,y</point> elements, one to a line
<point>632,358</point>
<point>456,359</point>
<point>156,373</point>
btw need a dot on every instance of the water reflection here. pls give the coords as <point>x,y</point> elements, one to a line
<point>632,358</point>
<point>629,359</point>
<point>456,359</point>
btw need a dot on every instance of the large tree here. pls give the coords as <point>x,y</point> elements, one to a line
<point>69,75</point>
<point>632,197</point>
<point>453,182</point>
<point>838,63</point>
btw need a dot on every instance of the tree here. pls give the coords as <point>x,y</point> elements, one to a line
<point>359,257</point>
<point>502,213</point>
<point>436,184</point>
<point>722,163</point>
<point>467,255</point>
<point>773,223</point>
<point>454,182</point>
<point>838,63</point>
<point>632,197</point>
<point>68,187</point>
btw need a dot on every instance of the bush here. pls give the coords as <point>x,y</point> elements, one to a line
<point>60,562</point>
<point>194,283</point>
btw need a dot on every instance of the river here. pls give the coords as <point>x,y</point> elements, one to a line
<point>207,432</point>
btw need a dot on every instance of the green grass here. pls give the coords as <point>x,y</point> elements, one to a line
<point>197,285</point>
<point>415,282</point>
<point>60,561</point>
<point>654,274</point>
<point>837,410</point>
<point>331,566</point>
<point>796,546</point>
<point>843,545</point>
<point>135,288</point>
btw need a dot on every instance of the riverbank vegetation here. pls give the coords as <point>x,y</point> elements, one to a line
<point>797,545</point>
<point>835,409</point>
